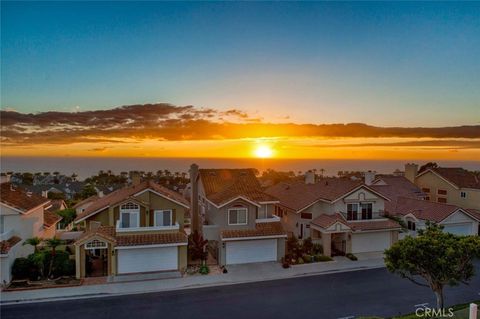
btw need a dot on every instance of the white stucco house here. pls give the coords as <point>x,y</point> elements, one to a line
<point>23,215</point>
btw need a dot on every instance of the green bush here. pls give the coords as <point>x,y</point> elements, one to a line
<point>21,268</point>
<point>307,259</point>
<point>204,270</point>
<point>322,258</point>
<point>300,261</point>
<point>351,256</point>
<point>317,249</point>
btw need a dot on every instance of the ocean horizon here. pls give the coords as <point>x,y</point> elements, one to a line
<point>88,166</point>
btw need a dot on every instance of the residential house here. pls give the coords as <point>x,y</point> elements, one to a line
<point>23,215</point>
<point>67,189</point>
<point>451,185</point>
<point>408,202</point>
<point>236,216</point>
<point>139,228</point>
<point>344,215</point>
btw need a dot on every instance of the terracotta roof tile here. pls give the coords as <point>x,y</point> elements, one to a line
<point>326,220</point>
<point>127,192</point>
<point>50,219</point>
<point>6,245</point>
<point>57,205</point>
<point>459,176</point>
<point>107,232</point>
<point>19,198</point>
<point>422,209</point>
<point>151,239</point>
<point>261,229</point>
<point>397,186</point>
<point>475,213</point>
<point>374,225</point>
<point>223,185</point>
<point>297,195</point>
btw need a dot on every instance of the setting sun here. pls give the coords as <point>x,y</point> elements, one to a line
<point>263,151</point>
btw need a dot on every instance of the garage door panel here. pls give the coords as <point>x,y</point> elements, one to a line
<point>147,259</point>
<point>250,251</point>
<point>370,242</point>
<point>459,229</point>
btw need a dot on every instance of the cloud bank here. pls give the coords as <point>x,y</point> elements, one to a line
<point>178,123</point>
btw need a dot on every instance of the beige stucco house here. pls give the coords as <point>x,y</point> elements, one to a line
<point>136,229</point>
<point>450,185</point>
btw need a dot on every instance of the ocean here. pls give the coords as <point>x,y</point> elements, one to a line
<point>87,166</point>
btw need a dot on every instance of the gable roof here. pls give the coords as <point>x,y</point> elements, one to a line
<point>425,210</point>
<point>298,195</point>
<point>223,185</point>
<point>457,176</point>
<point>475,213</point>
<point>395,187</point>
<point>20,199</point>
<point>123,194</point>
<point>50,219</point>
<point>56,205</point>
<point>325,220</point>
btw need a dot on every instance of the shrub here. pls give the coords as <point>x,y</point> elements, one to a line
<point>307,246</point>
<point>317,249</point>
<point>197,246</point>
<point>307,258</point>
<point>285,265</point>
<point>300,261</point>
<point>204,270</point>
<point>351,256</point>
<point>21,268</point>
<point>293,247</point>
<point>322,258</point>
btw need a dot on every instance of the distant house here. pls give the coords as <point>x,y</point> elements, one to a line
<point>23,215</point>
<point>139,228</point>
<point>68,189</point>
<point>407,202</point>
<point>236,216</point>
<point>341,214</point>
<point>450,185</point>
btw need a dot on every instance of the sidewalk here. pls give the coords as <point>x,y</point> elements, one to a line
<point>236,274</point>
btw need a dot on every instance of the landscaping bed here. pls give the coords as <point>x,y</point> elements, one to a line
<point>41,284</point>
<point>303,252</point>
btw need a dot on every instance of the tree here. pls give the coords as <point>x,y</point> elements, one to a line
<point>35,241</point>
<point>53,243</point>
<point>87,191</point>
<point>197,246</point>
<point>68,215</point>
<point>440,258</point>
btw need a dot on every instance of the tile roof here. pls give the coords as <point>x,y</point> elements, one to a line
<point>86,201</point>
<point>298,195</point>
<point>124,193</point>
<point>374,225</point>
<point>326,220</point>
<point>475,213</point>
<point>6,245</point>
<point>50,219</point>
<point>56,205</point>
<point>422,209</point>
<point>109,233</point>
<point>261,229</point>
<point>459,176</point>
<point>151,239</point>
<point>18,198</point>
<point>223,185</point>
<point>397,186</point>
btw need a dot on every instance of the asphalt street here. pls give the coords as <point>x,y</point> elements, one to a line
<point>349,294</point>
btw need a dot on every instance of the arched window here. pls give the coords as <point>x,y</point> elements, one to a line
<point>129,215</point>
<point>129,205</point>
<point>95,244</point>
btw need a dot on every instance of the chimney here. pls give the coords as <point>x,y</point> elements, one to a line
<point>136,178</point>
<point>369,177</point>
<point>45,194</point>
<point>100,194</point>
<point>194,197</point>
<point>309,177</point>
<point>411,170</point>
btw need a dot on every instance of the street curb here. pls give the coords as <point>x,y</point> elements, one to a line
<point>189,287</point>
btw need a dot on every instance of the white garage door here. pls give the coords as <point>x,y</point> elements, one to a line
<point>459,229</point>
<point>368,242</point>
<point>251,251</point>
<point>147,259</point>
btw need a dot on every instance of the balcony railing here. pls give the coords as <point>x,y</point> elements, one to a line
<point>121,229</point>
<point>375,215</point>
<point>268,219</point>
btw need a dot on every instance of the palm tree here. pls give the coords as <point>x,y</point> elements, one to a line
<point>35,241</point>
<point>322,171</point>
<point>53,243</point>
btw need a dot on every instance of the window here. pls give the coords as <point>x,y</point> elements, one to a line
<point>367,209</point>
<point>427,197</point>
<point>306,215</point>
<point>352,211</point>
<point>411,225</point>
<point>163,218</point>
<point>426,190</point>
<point>129,215</point>
<point>237,216</point>
<point>95,244</point>
<point>442,200</point>
<point>463,194</point>
<point>442,192</point>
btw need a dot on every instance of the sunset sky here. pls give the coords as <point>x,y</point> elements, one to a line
<point>241,79</point>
